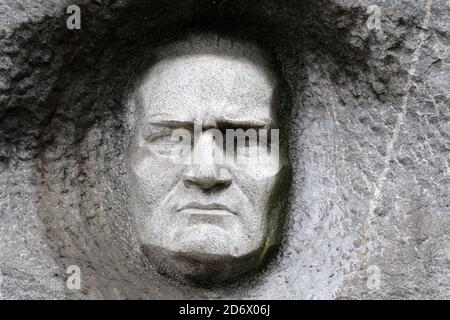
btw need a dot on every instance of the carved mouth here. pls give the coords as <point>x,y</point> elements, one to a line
<point>210,209</point>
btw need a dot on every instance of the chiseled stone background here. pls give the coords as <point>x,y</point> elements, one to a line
<point>371,145</point>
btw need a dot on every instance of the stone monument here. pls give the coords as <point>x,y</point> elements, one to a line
<point>205,219</point>
<point>113,135</point>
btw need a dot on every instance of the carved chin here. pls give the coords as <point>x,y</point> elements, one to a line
<point>204,242</point>
<point>204,254</point>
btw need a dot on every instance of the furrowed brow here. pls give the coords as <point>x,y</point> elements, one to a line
<point>168,120</point>
<point>172,123</point>
<point>244,123</point>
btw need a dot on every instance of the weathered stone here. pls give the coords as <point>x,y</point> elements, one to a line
<point>369,147</point>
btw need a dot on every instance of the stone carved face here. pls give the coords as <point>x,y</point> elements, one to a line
<point>203,221</point>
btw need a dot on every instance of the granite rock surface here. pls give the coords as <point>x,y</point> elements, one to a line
<point>370,145</point>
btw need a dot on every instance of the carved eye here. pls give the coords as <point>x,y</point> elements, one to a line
<point>162,143</point>
<point>244,142</point>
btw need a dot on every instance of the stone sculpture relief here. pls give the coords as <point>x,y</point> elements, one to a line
<point>201,218</point>
<point>92,180</point>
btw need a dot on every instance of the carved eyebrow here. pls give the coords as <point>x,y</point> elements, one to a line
<point>244,123</point>
<point>167,119</point>
<point>171,123</point>
<point>164,120</point>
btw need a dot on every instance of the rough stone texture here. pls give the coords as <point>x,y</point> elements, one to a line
<point>371,145</point>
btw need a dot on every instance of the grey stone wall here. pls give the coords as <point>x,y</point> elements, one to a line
<point>370,145</point>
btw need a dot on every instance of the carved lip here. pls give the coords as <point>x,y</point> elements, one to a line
<point>212,207</point>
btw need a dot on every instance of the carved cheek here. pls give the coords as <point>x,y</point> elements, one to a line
<point>152,177</point>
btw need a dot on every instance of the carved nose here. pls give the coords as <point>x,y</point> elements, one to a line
<point>207,177</point>
<point>206,173</point>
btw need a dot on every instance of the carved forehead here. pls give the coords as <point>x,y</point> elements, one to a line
<point>215,45</point>
<point>209,75</point>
